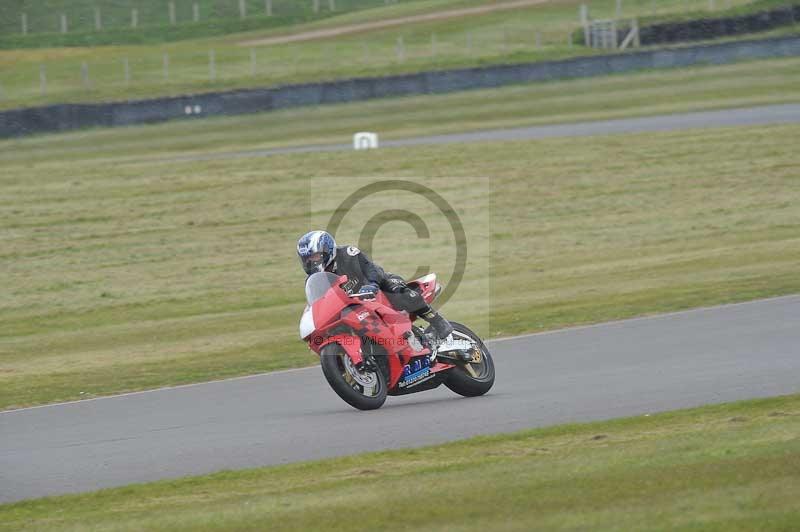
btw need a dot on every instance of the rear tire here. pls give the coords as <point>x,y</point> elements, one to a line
<point>336,367</point>
<point>460,379</point>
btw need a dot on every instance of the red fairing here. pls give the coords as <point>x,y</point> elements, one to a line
<point>345,320</point>
<point>328,308</point>
<point>369,350</point>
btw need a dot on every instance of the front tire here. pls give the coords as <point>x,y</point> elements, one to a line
<point>365,390</point>
<point>473,378</point>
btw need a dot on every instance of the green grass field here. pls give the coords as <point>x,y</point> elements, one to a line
<point>44,16</point>
<point>659,92</point>
<point>728,468</point>
<point>751,83</point>
<point>504,36</point>
<point>123,272</point>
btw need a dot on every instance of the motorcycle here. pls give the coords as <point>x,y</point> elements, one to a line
<point>368,350</point>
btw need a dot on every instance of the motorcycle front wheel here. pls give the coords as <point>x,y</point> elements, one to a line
<point>364,389</point>
<point>475,376</point>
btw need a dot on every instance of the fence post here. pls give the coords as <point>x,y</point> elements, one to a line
<point>165,63</point>
<point>196,12</point>
<point>64,27</point>
<point>614,39</point>
<point>569,39</point>
<point>619,8</point>
<point>584,15</point>
<point>332,5</point>
<point>400,49</point>
<point>242,9</point>
<point>652,7</point>
<point>98,19</point>
<point>134,17</point>
<point>212,65</point>
<point>42,79</point>
<point>85,75</point>
<point>253,62</point>
<point>171,7</point>
<point>636,41</point>
<point>316,6</point>
<point>268,7</point>
<point>24,23</point>
<point>126,71</point>
<point>711,5</point>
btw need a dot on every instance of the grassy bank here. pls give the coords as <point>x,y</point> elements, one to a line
<point>752,83</point>
<point>726,467</point>
<point>153,24</point>
<point>533,33</point>
<point>122,274</point>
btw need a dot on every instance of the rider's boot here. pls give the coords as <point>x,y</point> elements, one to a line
<point>441,326</point>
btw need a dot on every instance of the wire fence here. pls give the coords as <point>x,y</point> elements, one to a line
<point>32,17</point>
<point>158,70</point>
<point>147,71</point>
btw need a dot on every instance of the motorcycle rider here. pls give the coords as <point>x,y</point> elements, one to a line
<point>318,252</point>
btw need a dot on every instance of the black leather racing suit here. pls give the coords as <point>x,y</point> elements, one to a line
<point>350,261</point>
<point>360,270</point>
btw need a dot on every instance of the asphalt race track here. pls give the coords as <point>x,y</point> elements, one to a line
<point>623,368</point>
<point>750,116</point>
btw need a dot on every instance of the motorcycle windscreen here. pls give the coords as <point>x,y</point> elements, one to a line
<point>318,284</point>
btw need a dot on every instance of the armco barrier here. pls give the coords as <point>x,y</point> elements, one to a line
<point>64,117</point>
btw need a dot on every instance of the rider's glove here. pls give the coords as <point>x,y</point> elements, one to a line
<point>368,291</point>
<point>395,285</point>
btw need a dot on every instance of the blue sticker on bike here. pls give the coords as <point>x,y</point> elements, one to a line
<point>414,372</point>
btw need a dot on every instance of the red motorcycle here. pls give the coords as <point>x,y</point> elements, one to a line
<point>369,350</point>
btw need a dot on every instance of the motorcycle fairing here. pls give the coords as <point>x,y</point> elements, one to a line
<point>386,327</point>
<point>347,320</point>
<point>327,308</point>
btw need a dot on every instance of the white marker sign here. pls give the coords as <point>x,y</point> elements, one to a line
<point>365,141</point>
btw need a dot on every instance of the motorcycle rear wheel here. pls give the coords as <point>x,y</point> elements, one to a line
<point>365,390</point>
<point>473,378</point>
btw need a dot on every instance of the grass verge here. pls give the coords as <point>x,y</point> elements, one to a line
<point>699,88</point>
<point>129,275</point>
<point>528,34</point>
<point>213,17</point>
<point>726,467</point>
